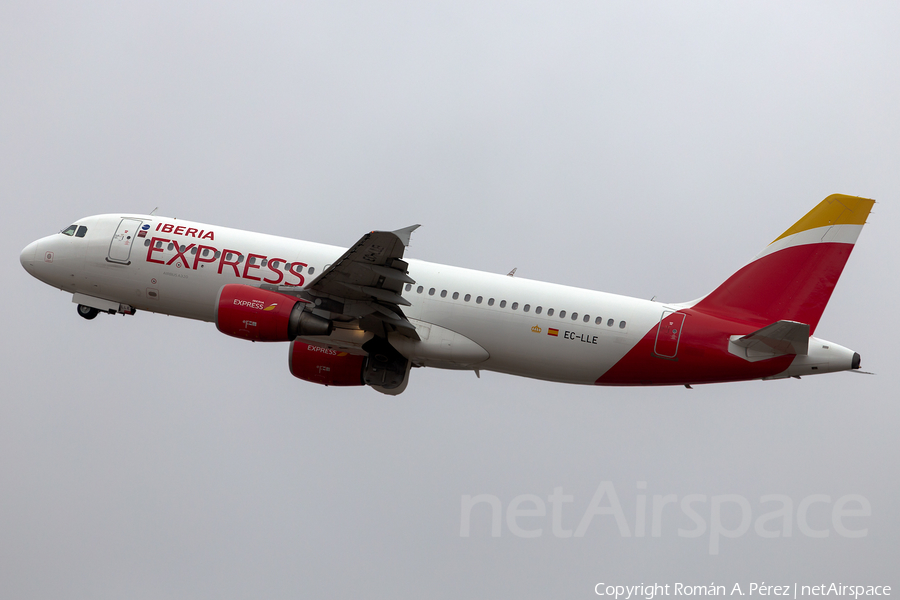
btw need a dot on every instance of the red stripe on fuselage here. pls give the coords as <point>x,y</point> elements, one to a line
<point>702,356</point>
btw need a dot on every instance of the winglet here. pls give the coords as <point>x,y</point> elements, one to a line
<point>404,233</point>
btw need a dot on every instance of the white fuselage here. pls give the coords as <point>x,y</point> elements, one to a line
<point>464,319</point>
<point>456,311</point>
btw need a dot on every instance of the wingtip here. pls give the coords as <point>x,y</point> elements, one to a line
<point>404,233</point>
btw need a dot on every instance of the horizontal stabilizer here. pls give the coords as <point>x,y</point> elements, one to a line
<point>778,339</point>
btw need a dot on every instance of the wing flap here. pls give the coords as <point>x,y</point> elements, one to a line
<point>367,281</point>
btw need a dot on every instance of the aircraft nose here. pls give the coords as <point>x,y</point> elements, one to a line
<point>27,257</point>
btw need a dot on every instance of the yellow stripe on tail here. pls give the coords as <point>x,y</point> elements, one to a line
<point>836,209</point>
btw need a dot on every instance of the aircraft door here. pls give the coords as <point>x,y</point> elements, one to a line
<point>123,240</point>
<point>668,334</point>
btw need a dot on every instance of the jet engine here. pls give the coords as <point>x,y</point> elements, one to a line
<point>318,364</point>
<point>251,313</point>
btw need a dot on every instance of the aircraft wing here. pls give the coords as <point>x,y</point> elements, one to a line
<point>366,284</point>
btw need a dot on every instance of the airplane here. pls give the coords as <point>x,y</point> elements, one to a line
<point>366,315</point>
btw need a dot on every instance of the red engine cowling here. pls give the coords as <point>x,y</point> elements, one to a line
<point>251,313</point>
<point>311,362</point>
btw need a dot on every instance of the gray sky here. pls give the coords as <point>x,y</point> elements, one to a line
<point>637,148</point>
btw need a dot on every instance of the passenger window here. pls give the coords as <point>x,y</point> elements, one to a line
<point>194,251</point>
<point>456,295</point>
<point>408,287</point>
<point>621,324</point>
<point>562,314</point>
<point>217,254</point>
<point>598,321</point>
<point>526,308</point>
<point>443,293</point>
<point>574,316</point>
<point>70,230</point>
<point>468,297</point>
<point>181,248</point>
<point>549,312</point>
<point>81,231</point>
<point>503,304</point>
<point>309,271</point>
<point>262,263</point>
<point>478,300</point>
<point>610,322</point>
<point>431,292</point>
<point>420,289</point>
<point>171,246</point>
<point>587,318</point>
<point>146,242</point>
<point>490,302</point>
<point>515,305</point>
<point>205,252</point>
<point>537,310</point>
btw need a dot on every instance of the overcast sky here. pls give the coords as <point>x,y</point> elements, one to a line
<point>647,149</point>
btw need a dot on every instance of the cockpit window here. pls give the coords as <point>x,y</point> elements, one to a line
<point>70,230</point>
<point>81,231</point>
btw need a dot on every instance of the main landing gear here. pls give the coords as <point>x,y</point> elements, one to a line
<point>385,367</point>
<point>88,312</point>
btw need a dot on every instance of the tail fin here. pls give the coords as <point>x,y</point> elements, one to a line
<point>793,277</point>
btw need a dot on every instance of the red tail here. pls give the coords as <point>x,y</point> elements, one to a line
<point>793,278</point>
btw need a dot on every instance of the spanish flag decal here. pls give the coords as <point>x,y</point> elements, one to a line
<point>553,332</point>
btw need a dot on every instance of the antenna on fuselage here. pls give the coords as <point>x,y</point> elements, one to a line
<point>512,273</point>
<point>153,211</point>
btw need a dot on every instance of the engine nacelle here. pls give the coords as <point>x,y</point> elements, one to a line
<point>251,313</point>
<point>311,362</point>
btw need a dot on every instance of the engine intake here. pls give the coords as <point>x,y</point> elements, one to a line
<point>311,362</point>
<point>251,313</point>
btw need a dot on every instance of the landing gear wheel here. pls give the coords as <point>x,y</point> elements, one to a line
<point>87,312</point>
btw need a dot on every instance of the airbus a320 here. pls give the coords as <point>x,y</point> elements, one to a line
<point>366,315</point>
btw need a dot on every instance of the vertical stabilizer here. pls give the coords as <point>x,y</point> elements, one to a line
<point>794,276</point>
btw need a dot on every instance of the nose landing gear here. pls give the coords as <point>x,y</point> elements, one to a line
<point>89,306</point>
<point>87,312</point>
